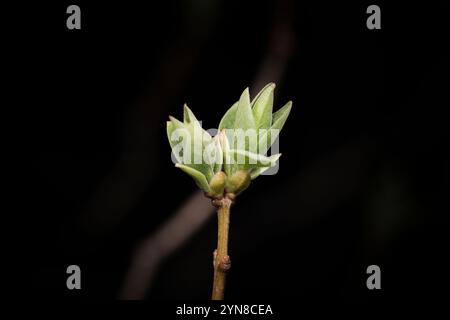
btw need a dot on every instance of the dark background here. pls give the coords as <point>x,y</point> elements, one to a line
<point>363,178</point>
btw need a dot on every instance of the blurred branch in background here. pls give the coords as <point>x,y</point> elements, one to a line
<point>188,219</point>
<point>122,188</point>
<point>195,212</point>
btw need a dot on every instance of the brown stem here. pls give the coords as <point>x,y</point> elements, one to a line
<point>221,259</point>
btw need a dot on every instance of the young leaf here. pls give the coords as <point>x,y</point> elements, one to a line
<point>269,136</point>
<point>170,129</point>
<point>200,140</point>
<point>199,178</point>
<point>174,139</point>
<point>279,117</point>
<point>247,160</point>
<point>177,124</point>
<point>262,107</point>
<point>227,121</point>
<point>255,172</point>
<point>188,115</point>
<point>193,144</point>
<point>244,115</point>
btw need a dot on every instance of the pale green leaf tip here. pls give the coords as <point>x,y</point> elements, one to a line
<point>276,157</point>
<point>288,105</point>
<point>179,165</point>
<point>188,115</point>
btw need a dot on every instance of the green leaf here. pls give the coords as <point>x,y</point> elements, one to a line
<point>279,119</point>
<point>173,125</point>
<point>188,115</point>
<point>199,177</point>
<point>170,129</point>
<point>228,118</point>
<point>248,160</point>
<point>255,172</point>
<point>198,139</point>
<point>244,115</point>
<point>262,107</point>
<point>177,124</point>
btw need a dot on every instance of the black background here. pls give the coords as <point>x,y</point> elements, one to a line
<point>363,178</point>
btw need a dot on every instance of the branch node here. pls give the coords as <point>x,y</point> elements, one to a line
<point>225,264</point>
